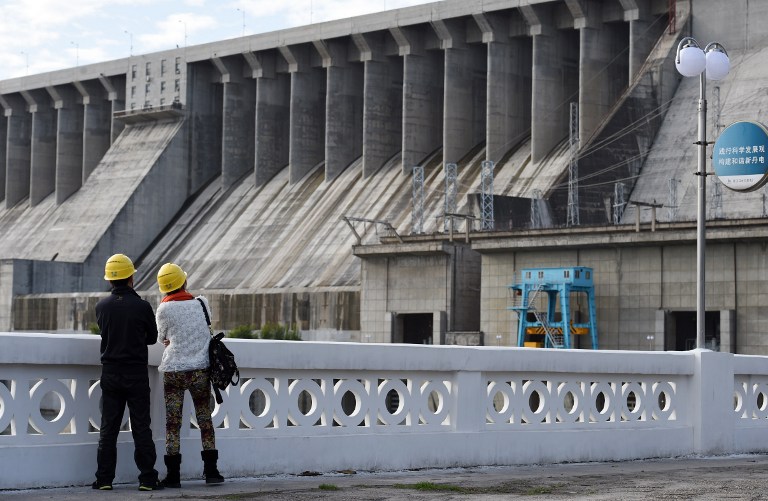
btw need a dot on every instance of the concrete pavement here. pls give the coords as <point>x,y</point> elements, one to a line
<point>743,477</point>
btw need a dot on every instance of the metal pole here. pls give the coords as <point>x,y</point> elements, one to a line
<point>702,214</point>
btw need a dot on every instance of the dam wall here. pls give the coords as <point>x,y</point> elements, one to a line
<point>260,161</point>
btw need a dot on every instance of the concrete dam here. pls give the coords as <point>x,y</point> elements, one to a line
<point>257,163</point>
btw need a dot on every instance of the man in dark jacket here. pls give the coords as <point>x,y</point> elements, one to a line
<point>127,325</point>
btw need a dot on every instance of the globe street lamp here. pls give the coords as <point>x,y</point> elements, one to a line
<point>711,63</point>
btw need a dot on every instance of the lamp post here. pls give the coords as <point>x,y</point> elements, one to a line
<point>185,31</point>
<point>130,52</point>
<point>26,54</point>
<point>711,63</point>
<point>243,13</point>
<point>77,53</point>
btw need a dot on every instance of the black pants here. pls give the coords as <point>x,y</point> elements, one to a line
<point>117,390</point>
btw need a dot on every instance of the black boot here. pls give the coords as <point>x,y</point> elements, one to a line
<point>211,472</point>
<point>172,465</point>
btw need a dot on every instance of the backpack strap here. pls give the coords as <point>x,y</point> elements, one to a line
<point>218,397</point>
<point>207,318</point>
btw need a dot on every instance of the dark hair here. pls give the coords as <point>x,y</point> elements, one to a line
<point>119,283</point>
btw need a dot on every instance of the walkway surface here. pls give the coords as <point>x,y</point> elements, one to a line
<point>743,477</point>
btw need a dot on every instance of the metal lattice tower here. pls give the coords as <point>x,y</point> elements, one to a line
<point>573,168</point>
<point>765,201</point>
<point>619,202</point>
<point>536,209</point>
<point>486,209</point>
<point>716,121</point>
<point>672,199</point>
<point>717,200</point>
<point>417,218</point>
<point>451,191</point>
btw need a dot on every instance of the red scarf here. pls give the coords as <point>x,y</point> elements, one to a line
<point>182,295</point>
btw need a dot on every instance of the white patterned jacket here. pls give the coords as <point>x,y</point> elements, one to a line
<point>183,324</point>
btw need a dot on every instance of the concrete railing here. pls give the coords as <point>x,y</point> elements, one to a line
<point>332,406</point>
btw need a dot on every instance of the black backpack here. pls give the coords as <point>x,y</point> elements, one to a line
<point>223,368</point>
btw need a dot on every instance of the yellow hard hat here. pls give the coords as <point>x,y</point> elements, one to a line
<point>118,267</point>
<point>170,277</point>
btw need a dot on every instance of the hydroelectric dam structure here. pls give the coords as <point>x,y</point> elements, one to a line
<point>280,169</point>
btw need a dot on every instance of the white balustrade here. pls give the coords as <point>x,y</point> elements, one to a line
<point>331,406</point>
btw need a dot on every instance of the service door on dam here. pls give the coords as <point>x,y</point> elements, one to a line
<point>679,331</point>
<point>413,328</point>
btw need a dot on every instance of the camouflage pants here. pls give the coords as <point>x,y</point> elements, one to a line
<point>199,386</point>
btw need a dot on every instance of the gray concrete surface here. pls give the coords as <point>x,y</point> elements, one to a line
<point>690,478</point>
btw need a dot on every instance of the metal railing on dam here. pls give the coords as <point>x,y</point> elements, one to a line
<point>333,406</point>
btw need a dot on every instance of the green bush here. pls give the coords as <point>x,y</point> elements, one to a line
<point>242,332</point>
<point>293,334</point>
<point>271,330</point>
<point>94,328</point>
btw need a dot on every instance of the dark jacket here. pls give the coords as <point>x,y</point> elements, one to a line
<point>127,325</point>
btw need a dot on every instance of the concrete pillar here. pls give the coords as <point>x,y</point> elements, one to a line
<point>508,105</point>
<point>465,88</point>
<point>69,141</point>
<point>659,331</point>
<point>43,145</point>
<point>3,145</point>
<point>307,115</point>
<point>468,404</point>
<point>728,341</point>
<point>555,79</point>
<point>602,69</point>
<point>382,101</point>
<point>18,150</point>
<point>6,295</point>
<point>422,94</point>
<point>238,120</point>
<point>711,411</point>
<point>97,124</point>
<point>642,36</point>
<point>272,118</point>
<point>115,89</point>
<point>204,119</point>
<point>343,106</point>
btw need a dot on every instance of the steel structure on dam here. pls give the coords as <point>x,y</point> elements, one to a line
<point>238,159</point>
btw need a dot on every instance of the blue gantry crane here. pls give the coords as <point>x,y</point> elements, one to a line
<point>545,328</point>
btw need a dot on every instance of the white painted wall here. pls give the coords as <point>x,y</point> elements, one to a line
<point>696,414</point>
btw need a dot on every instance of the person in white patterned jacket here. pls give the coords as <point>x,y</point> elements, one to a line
<point>182,327</point>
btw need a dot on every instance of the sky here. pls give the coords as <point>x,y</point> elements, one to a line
<point>37,36</point>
